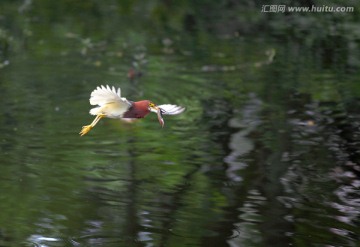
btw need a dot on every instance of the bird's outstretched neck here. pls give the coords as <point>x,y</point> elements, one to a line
<point>138,109</point>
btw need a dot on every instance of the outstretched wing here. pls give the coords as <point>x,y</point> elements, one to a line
<point>169,109</point>
<point>109,101</point>
<point>105,95</point>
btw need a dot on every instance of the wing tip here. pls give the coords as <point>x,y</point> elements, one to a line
<point>169,109</point>
<point>101,93</point>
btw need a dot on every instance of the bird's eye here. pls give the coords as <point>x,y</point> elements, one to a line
<point>151,104</point>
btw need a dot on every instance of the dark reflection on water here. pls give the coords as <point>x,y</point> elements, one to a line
<point>266,153</point>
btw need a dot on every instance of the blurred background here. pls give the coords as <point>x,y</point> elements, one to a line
<point>266,154</point>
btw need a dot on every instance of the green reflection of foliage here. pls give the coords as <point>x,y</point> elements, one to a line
<point>192,53</point>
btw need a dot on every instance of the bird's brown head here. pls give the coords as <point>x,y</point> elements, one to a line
<point>140,109</point>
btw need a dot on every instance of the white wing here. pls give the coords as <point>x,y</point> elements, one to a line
<point>109,102</point>
<point>104,95</point>
<point>168,109</point>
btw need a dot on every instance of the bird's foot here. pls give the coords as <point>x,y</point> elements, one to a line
<point>85,129</point>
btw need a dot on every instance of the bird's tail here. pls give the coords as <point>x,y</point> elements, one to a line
<point>95,111</point>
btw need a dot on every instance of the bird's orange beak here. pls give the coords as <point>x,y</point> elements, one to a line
<point>158,111</point>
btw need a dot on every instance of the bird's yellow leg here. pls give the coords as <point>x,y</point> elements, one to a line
<point>85,129</point>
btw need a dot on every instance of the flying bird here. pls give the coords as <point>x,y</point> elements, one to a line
<point>110,104</point>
